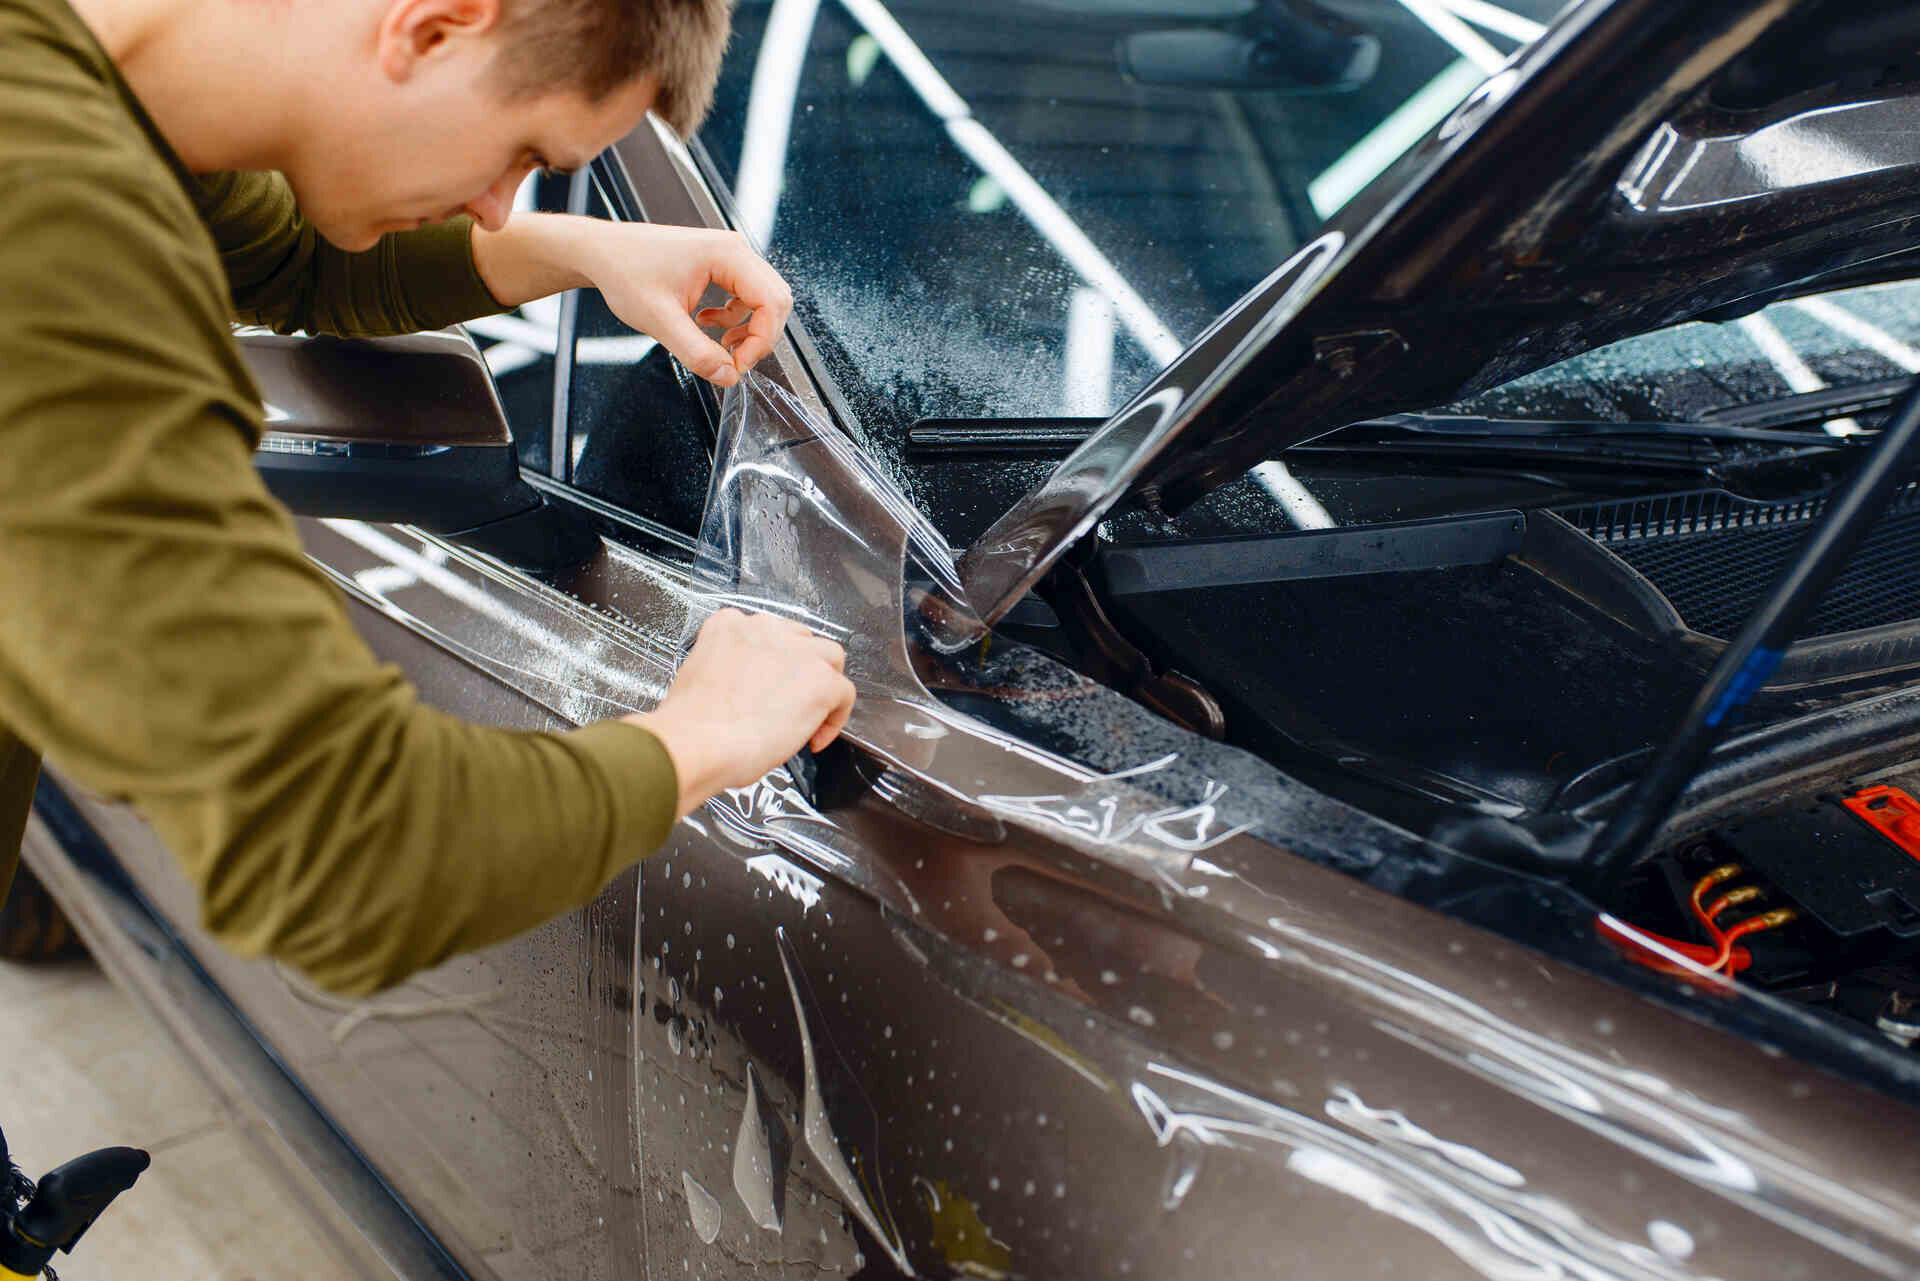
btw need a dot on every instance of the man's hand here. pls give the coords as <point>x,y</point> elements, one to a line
<point>653,281</point>
<point>652,276</point>
<point>754,689</point>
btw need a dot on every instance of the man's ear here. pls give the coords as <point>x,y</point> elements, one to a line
<point>413,33</point>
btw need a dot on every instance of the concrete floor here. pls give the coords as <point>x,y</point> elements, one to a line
<point>88,1068</point>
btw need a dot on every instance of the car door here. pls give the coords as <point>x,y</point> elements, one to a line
<point>468,1090</point>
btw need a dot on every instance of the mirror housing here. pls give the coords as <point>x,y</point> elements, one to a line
<point>408,430</point>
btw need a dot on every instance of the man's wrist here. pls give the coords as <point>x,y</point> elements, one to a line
<point>538,254</point>
<point>685,747</point>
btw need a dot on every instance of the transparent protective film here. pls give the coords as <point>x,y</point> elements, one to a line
<point>780,534</point>
<point>990,734</point>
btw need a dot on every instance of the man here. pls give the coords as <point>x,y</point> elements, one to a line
<point>162,639</point>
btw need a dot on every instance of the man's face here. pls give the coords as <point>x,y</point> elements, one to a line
<point>447,140</point>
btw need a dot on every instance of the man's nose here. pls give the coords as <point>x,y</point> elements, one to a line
<point>491,208</point>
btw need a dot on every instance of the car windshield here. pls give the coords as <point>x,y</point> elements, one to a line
<point>1021,208</point>
<point>1855,338</point>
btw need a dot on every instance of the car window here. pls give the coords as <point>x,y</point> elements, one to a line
<point>1028,207</point>
<point>518,346</point>
<point>638,434</point>
<point>1693,371</point>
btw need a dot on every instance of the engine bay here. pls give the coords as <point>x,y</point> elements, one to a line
<point>1512,665</point>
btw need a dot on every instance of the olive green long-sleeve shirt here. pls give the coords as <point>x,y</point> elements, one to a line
<point>162,638</point>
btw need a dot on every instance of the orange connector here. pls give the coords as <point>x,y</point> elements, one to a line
<point>1890,812</point>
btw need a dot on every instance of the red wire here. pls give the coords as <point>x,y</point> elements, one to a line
<point>1642,954</point>
<point>1717,876</point>
<point>1752,925</point>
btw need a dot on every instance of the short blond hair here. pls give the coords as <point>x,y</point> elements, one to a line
<point>596,46</point>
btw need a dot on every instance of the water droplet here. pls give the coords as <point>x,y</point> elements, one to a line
<point>1223,1040</point>
<point>729,942</point>
<point>1670,1239</point>
<point>703,1208</point>
<point>1603,1026</point>
<point>1020,960</point>
<point>1109,978</point>
<point>673,990</point>
<point>677,1034</point>
<point>1141,1015</point>
<point>990,934</point>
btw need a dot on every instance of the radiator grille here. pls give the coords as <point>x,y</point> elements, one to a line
<point>1714,556</point>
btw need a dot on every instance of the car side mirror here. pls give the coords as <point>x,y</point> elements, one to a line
<point>408,430</point>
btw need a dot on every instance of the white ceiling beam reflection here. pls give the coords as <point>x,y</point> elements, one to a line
<point>1089,356</point>
<point>1411,121</point>
<point>770,102</point>
<point>1500,21</point>
<point>1868,335</point>
<point>1799,376</point>
<point>1387,141</point>
<point>1033,201</point>
<point>1053,223</point>
<point>1444,22</point>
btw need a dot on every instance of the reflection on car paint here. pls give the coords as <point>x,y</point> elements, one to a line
<point>1711,1147</point>
<point>1113,817</point>
<point>1487,1222</point>
<point>1676,172</point>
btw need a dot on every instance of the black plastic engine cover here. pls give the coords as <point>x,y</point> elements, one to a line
<point>1835,867</point>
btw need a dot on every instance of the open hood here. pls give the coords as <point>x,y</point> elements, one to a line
<point>1642,163</point>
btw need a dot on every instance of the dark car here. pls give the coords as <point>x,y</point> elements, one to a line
<point>1283,470</point>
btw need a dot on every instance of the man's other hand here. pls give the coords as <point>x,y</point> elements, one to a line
<point>754,689</point>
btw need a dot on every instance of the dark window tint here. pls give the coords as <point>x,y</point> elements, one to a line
<point>639,430</point>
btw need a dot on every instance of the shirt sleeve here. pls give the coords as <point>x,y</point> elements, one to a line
<point>165,641</point>
<point>285,277</point>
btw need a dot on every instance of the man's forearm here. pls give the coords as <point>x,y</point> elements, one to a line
<point>536,254</point>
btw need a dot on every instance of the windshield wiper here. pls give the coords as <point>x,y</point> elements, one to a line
<point>1550,431</point>
<point>1652,442</point>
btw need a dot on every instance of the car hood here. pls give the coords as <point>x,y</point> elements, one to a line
<point>1641,164</point>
